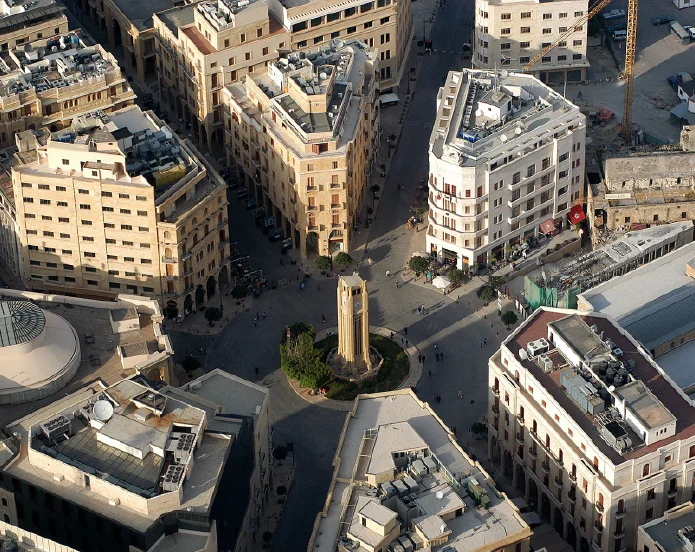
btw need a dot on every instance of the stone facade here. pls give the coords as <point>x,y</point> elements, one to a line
<point>510,34</point>
<point>353,323</point>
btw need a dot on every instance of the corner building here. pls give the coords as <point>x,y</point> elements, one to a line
<point>304,135</point>
<point>589,427</point>
<point>117,203</point>
<point>506,155</point>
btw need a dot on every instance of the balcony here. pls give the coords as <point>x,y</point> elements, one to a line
<point>595,546</point>
<point>672,492</point>
<point>496,410</point>
<point>573,477</point>
<point>520,438</point>
<point>572,496</point>
<point>521,421</point>
<point>171,278</point>
<point>559,482</point>
<point>336,206</point>
<point>223,244</point>
<point>496,391</point>
<point>599,507</point>
<point>312,207</point>
<point>620,515</point>
<point>533,453</point>
<point>545,466</point>
<point>598,526</point>
<point>314,228</point>
<point>168,260</point>
<point>619,534</point>
<point>337,186</point>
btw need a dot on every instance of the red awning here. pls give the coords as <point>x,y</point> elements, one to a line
<point>548,226</point>
<point>576,214</point>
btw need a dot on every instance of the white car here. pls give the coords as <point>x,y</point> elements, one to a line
<point>614,14</point>
<point>691,30</point>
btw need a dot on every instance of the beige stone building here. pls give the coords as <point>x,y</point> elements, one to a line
<point>386,25</point>
<point>203,47</point>
<point>9,233</point>
<point>509,34</point>
<point>635,190</point>
<point>303,135</point>
<point>118,203</point>
<point>673,532</point>
<point>402,482</point>
<point>31,21</point>
<point>50,81</point>
<point>152,470</point>
<point>589,427</point>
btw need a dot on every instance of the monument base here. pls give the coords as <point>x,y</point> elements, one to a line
<point>354,371</point>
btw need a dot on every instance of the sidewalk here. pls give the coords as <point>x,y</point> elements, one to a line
<point>282,475</point>
<point>195,322</point>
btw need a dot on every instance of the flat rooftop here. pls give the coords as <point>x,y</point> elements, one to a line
<point>140,13</point>
<point>536,327</point>
<point>16,16</point>
<point>178,17</point>
<point>665,530</point>
<point>633,166</point>
<point>484,115</point>
<point>401,409</point>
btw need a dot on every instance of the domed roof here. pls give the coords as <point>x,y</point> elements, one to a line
<point>20,322</point>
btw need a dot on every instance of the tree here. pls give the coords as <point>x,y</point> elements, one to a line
<point>239,292</point>
<point>213,314</point>
<point>190,364</point>
<point>298,358</point>
<point>456,276</point>
<point>478,428</point>
<point>375,189</point>
<point>323,262</point>
<point>343,259</point>
<point>280,452</point>
<point>509,318</point>
<point>418,265</point>
<point>487,293</point>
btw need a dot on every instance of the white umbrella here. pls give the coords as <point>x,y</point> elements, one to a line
<point>441,282</point>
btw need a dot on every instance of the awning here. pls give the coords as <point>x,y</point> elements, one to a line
<point>548,226</point>
<point>441,282</point>
<point>388,99</point>
<point>576,214</point>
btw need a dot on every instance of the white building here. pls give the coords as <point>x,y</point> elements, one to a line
<point>506,156</point>
<point>589,428</point>
<point>510,34</point>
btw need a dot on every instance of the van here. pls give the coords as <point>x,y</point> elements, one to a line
<point>620,35</point>
<point>679,32</point>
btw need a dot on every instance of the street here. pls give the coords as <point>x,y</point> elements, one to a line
<point>456,327</point>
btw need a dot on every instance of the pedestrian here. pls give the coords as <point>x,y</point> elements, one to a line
<point>485,341</point>
<point>579,94</point>
<point>418,310</point>
<point>430,373</point>
<point>423,358</point>
<point>318,287</point>
<point>419,359</point>
<point>391,336</point>
<point>406,344</point>
<point>405,330</point>
<point>323,318</point>
<point>388,273</point>
<point>255,322</point>
<point>256,370</point>
<point>401,341</point>
<point>435,346</point>
<point>460,394</point>
<point>436,357</point>
<point>396,284</point>
<point>263,315</point>
<point>441,356</point>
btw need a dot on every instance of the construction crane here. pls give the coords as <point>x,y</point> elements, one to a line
<point>630,50</point>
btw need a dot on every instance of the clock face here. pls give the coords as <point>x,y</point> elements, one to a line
<point>358,304</point>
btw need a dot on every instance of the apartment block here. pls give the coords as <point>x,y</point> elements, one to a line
<point>506,162</point>
<point>203,47</point>
<point>402,482</point>
<point>126,466</point>
<point>510,34</point>
<point>118,203</point>
<point>590,429</point>
<point>386,25</point>
<point>304,136</point>
<point>673,532</point>
<point>50,81</point>
<point>31,21</point>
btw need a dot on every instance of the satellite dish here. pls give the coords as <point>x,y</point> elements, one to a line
<point>442,528</point>
<point>103,410</point>
<point>503,73</point>
<point>478,112</point>
<point>503,138</point>
<point>439,495</point>
<point>518,131</point>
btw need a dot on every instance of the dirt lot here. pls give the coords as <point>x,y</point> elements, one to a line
<point>659,55</point>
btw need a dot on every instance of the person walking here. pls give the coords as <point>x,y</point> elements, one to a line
<point>388,273</point>
<point>435,346</point>
<point>405,330</point>
<point>323,318</point>
<point>318,287</point>
<point>391,336</point>
<point>419,359</point>
<point>263,315</point>
<point>423,358</point>
<point>485,341</point>
<point>430,373</point>
<point>256,370</point>
<point>460,394</point>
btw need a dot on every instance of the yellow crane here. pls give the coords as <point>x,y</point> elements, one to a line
<point>630,49</point>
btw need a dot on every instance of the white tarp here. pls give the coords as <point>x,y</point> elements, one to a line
<point>441,282</point>
<point>388,99</point>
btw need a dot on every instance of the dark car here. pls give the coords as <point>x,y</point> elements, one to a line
<point>662,19</point>
<point>618,27</point>
<point>673,81</point>
<point>242,192</point>
<point>250,203</point>
<point>277,234</point>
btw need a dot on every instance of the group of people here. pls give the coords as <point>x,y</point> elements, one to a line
<point>421,310</point>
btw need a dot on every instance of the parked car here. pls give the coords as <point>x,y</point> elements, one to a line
<point>614,14</point>
<point>673,81</point>
<point>691,30</point>
<point>662,19</point>
<point>619,27</point>
<point>619,35</point>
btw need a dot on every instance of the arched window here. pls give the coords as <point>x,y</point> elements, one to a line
<point>167,253</point>
<point>645,469</point>
<point>691,453</point>
<point>621,506</point>
<point>4,502</point>
<point>195,220</point>
<point>206,211</point>
<point>167,235</point>
<point>600,499</point>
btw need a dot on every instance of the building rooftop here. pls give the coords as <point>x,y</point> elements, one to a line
<point>673,532</point>
<point>439,486</point>
<point>94,339</point>
<point>15,15</point>
<point>649,396</point>
<point>631,166</point>
<point>224,14</point>
<point>140,13</point>
<point>484,116</point>
<point>178,17</point>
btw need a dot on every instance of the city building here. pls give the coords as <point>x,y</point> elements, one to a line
<point>506,162</point>
<point>652,303</point>
<point>205,46</point>
<point>24,541</point>
<point>49,347</point>
<point>304,136</point>
<point>643,188</point>
<point>386,25</point>
<point>118,203</point>
<point>130,466</point>
<point>402,482</point>
<point>673,532</point>
<point>589,427</point>
<point>50,81</point>
<point>9,233</point>
<point>31,21</point>
<point>508,35</point>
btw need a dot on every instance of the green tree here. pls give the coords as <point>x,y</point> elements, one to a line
<point>509,318</point>
<point>343,259</point>
<point>487,293</point>
<point>375,189</point>
<point>239,292</point>
<point>478,428</point>
<point>213,314</point>
<point>190,364</point>
<point>418,265</point>
<point>456,276</point>
<point>323,262</point>
<point>300,360</point>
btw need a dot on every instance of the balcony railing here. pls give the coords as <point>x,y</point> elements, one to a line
<point>496,391</point>
<point>496,410</point>
<point>533,453</point>
<point>620,514</point>
<point>559,482</point>
<point>600,507</point>
<point>599,527</point>
<point>520,438</point>
<point>546,467</point>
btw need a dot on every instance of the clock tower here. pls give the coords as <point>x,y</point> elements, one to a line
<point>353,323</point>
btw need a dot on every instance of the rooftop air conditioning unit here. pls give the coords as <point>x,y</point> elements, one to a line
<point>537,347</point>
<point>546,363</point>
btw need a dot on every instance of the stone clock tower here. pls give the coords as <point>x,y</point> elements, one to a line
<point>353,324</point>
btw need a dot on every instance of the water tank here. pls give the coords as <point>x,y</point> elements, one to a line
<point>603,367</point>
<point>619,380</point>
<point>610,374</point>
<point>622,371</point>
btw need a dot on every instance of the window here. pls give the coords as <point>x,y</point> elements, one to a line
<point>577,57</point>
<point>86,222</point>
<point>48,234</point>
<point>506,46</point>
<point>45,202</point>
<point>107,209</point>
<point>562,15</point>
<point>578,13</point>
<point>85,206</point>
<point>61,188</point>
<point>125,211</point>
<point>62,203</point>
<point>123,196</point>
<point>90,255</point>
<point>561,58</point>
<point>506,31</point>
<point>547,31</point>
<point>547,16</point>
<point>525,15</point>
<point>126,227</point>
<point>41,186</point>
<point>576,43</point>
<point>63,219</point>
<point>525,45</point>
<point>525,30</point>
<point>351,30</point>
